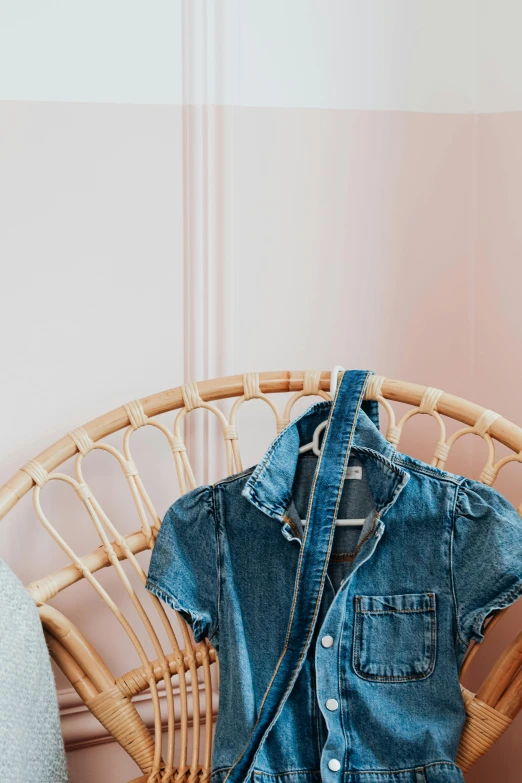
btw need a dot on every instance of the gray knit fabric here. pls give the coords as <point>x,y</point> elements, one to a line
<point>31,742</point>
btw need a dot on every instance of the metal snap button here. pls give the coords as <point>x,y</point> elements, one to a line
<point>334,765</point>
<point>332,704</point>
<point>327,641</point>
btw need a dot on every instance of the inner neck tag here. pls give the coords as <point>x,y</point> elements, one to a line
<point>353,472</point>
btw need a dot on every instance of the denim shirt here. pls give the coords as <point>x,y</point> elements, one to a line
<point>340,648</point>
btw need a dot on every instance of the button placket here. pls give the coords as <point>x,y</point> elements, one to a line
<point>328,683</point>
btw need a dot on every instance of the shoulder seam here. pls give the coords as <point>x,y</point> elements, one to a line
<point>446,476</point>
<point>234,476</point>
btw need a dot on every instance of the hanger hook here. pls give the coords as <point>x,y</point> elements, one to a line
<point>314,445</point>
<point>333,386</point>
<point>334,378</point>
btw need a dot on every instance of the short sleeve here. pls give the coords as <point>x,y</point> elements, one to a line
<point>183,569</point>
<point>486,556</point>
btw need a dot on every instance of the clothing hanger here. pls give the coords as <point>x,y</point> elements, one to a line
<point>314,446</point>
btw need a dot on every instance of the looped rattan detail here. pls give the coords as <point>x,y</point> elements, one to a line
<point>82,440</point>
<point>82,568</point>
<point>136,414</point>
<point>485,421</point>
<point>430,399</point>
<point>282,423</point>
<point>312,382</point>
<point>251,385</point>
<point>119,716</point>
<point>374,391</point>
<point>393,434</point>
<point>427,405</point>
<point>441,451</point>
<point>44,589</point>
<point>230,432</point>
<point>181,661</point>
<point>37,472</point>
<point>374,387</point>
<point>83,491</point>
<point>177,444</point>
<point>488,475</point>
<point>484,725</point>
<point>129,468</point>
<point>191,396</point>
<point>137,680</point>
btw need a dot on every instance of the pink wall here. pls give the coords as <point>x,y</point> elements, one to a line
<point>376,239</point>
<point>497,369</point>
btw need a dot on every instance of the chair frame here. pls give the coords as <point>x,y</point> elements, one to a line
<point>489,712</point>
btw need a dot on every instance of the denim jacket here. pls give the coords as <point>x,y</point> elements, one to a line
<point>339,647</point>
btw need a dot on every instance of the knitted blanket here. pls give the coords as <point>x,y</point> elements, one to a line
<point>31,742</point>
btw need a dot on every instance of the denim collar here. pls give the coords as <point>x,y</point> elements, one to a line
<point>269,487</point>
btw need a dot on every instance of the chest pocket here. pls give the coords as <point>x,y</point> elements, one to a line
<point>394,636</point>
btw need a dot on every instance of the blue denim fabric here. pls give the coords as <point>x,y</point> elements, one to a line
<point>340,648</point>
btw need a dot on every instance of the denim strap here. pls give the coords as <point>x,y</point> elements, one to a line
<point>313,562</point>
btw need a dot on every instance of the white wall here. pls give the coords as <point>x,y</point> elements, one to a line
<point>406,55</point>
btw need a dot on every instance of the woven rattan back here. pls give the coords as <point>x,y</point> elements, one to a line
<point>179,672</point>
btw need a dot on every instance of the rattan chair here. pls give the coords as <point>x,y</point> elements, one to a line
<point>161,750</point>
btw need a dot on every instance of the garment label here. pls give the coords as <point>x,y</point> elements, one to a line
<point>354,472</point>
